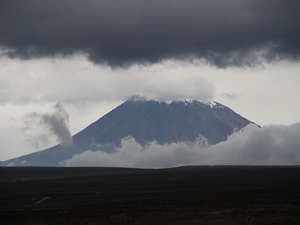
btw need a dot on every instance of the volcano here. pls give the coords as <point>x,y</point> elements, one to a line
<point>145,121</point>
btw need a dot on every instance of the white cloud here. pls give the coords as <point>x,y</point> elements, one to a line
<point>265,95</point>
<point>77,81</point>
<point>270,145</point>
<point>87,91</point>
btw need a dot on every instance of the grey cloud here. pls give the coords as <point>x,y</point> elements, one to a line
<point>56,124</point>
<point>39,141</point>
<point>230,95</point>
<point>270,145</point>
<point>120,33</point>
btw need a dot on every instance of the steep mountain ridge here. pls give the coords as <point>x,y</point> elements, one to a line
<point>145,121</point>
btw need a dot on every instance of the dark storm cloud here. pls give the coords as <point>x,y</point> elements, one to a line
<point>125,32</point>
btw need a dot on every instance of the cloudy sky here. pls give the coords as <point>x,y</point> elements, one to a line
<point>70,62</point>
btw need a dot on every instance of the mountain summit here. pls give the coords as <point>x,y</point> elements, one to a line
<point>145,121</point>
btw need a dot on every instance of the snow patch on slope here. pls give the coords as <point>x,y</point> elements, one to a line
<point>211,104</point>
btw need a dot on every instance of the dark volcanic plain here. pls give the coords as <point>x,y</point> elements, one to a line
<point>185,195</point>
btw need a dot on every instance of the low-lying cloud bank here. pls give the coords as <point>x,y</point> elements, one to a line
<point>269,145</point>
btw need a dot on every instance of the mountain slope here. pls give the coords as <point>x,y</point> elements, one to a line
<point>145,121</point>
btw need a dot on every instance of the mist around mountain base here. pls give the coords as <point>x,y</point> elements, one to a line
<point>269,145</point>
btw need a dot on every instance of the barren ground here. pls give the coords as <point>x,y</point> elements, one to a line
<point>186,195</point>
